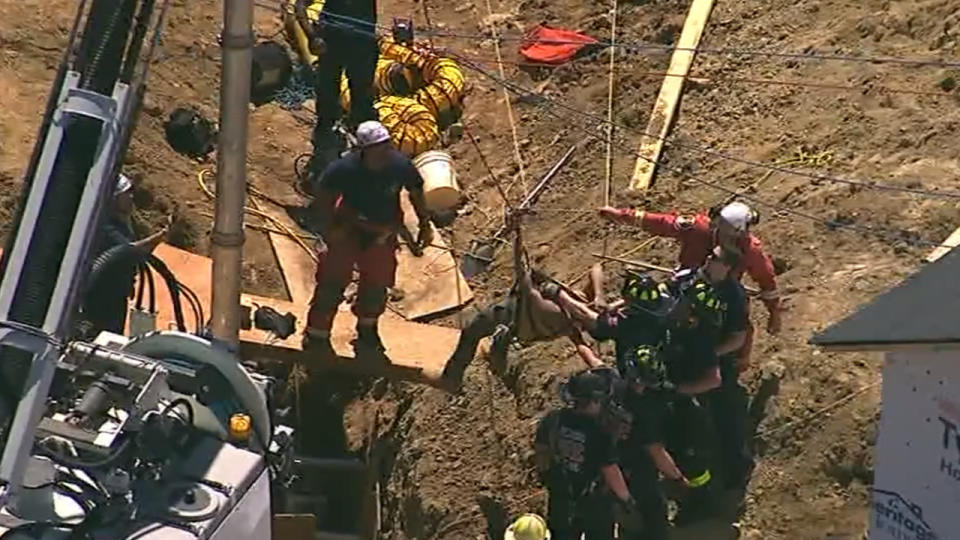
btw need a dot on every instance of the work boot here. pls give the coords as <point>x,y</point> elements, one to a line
<point>368,343</point>
<point>327,145</point>
<point>318,346</point>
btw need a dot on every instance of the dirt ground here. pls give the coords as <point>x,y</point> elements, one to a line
<point>460,466</point>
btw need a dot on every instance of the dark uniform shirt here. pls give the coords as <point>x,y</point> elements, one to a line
<point>579,448</point>
<point>105,304</point>
<point>734,298</point>
<point>629,328</point>
<point>690,353</point>
<point>374,195</point>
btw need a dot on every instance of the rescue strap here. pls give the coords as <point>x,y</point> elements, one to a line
<point>701,480</point>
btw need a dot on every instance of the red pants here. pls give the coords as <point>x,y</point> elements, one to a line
<point>376,264</point>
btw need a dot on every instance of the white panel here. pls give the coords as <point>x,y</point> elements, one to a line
<point>250,519</point>
<point>917,481</point>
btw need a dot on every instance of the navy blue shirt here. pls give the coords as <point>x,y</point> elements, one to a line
<point>734,298</point>
<point>629,328</point>
<point>375,195</point>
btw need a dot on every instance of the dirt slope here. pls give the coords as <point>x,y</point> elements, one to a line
<point>458,466</point>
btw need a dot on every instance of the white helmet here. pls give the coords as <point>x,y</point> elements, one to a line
<point>739,216</point>
<point>371,133</point>
<point>123,185</point>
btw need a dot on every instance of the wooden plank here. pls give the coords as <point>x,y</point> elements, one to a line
<point>296,265</point>
<point>417,351</point>
<point>951,242</point>
<point>294,526</point>
<point>428,283</point>
<point>665,108</point>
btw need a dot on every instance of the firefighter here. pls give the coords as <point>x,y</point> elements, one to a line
<point>528,527</point>
<point>105,303</point>
<point>699,234</point>
<point>729,403</point>
<point>573,454</point>
<point>358,207</point>
<point>646,395</point>
<point>344,38</point>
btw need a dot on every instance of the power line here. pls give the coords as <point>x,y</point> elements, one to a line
<point>745,80</point>
<point>534,96</point>
<point>549,104</point>
<point>647,46</point>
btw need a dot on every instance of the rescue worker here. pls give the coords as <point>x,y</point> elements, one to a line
<point>729,403</point>
<point>358,207</point>
<point>698,235</point>
<point>344,39</point>
<point>573,452</point>
<point>528,527</point>
<point>645,395</point>
<point>105,303</point>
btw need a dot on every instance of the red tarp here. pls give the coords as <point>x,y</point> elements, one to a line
<point>545,45</point>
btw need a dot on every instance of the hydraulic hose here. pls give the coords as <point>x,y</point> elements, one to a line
<point>129,254</point>
<point>412,128</point>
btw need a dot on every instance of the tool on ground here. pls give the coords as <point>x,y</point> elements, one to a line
<point>481,252</point>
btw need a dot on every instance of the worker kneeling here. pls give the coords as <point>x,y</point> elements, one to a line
<point>359,215</point>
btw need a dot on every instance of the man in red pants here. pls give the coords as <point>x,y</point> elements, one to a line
<point>359,215</point>
<point>728,226</point>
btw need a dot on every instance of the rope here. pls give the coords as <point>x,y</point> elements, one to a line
<point>637,45</point>
<point>746,80</point>
<point>258,212</point>
<point>819,412</point>
<point>705,149</point>
<point>609,161</point>
<point>506,98</point>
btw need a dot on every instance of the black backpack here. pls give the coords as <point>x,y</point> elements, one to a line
<point>189,133</point>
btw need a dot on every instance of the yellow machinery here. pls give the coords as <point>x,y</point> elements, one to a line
<point>419,94</point>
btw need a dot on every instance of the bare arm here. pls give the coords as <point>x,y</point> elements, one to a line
<point>664,462</point>
<point>585,351</point>
<point>613,477</point>
<point>419,203</point>
<point>733,343</point>
<point>578,311</point>
<point>706,383</point>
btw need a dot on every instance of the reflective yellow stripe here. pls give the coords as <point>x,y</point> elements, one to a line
<point>701,480</point>
<point>638,214</point>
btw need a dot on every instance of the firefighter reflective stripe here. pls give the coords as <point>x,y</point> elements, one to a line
<point>638,214</point>
<point>701,480</point>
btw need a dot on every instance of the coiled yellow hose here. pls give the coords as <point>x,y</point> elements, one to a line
<point>412,127</point>
<point>296,35</point>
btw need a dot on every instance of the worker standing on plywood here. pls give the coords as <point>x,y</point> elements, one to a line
<point>344,38</point>
<point>698,235</point>
<point>358,207</point>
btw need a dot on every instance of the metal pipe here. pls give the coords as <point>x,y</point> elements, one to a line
<point>227,238</point>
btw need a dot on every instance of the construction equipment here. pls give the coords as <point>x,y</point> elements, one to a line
<point>163,435</point>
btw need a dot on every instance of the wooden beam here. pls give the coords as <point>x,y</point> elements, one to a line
<point>651,145</point>
<point>951,242</point>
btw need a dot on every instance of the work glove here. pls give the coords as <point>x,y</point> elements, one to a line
<point>550,290</point>
<point>424,234</point>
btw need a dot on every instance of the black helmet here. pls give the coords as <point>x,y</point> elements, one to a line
<point>639,289</point>
<point>644,364</point>
<point>705,305</point>
<point>586,386</point>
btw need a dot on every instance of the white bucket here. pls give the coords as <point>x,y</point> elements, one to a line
<point>440,187</point>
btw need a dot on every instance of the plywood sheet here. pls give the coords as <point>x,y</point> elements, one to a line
<point>429,283</point>
<point>665,107</point>
<point>296,264</point>
<point>416,351</point>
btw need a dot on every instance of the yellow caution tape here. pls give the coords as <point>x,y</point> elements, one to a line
<point>701,480</point>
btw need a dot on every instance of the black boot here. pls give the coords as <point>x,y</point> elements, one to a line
<point>318,346</point>
<point>368,343</point>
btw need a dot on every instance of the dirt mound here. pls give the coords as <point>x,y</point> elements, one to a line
<point>458,467</point>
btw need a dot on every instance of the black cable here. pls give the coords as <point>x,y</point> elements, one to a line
<point>142,270</point>
<point>179,401</point>
<point>77,463</point>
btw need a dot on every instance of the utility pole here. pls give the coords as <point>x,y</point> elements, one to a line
<point>227,238</point>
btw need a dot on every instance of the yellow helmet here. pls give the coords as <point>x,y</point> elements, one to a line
<point>528,527</point>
